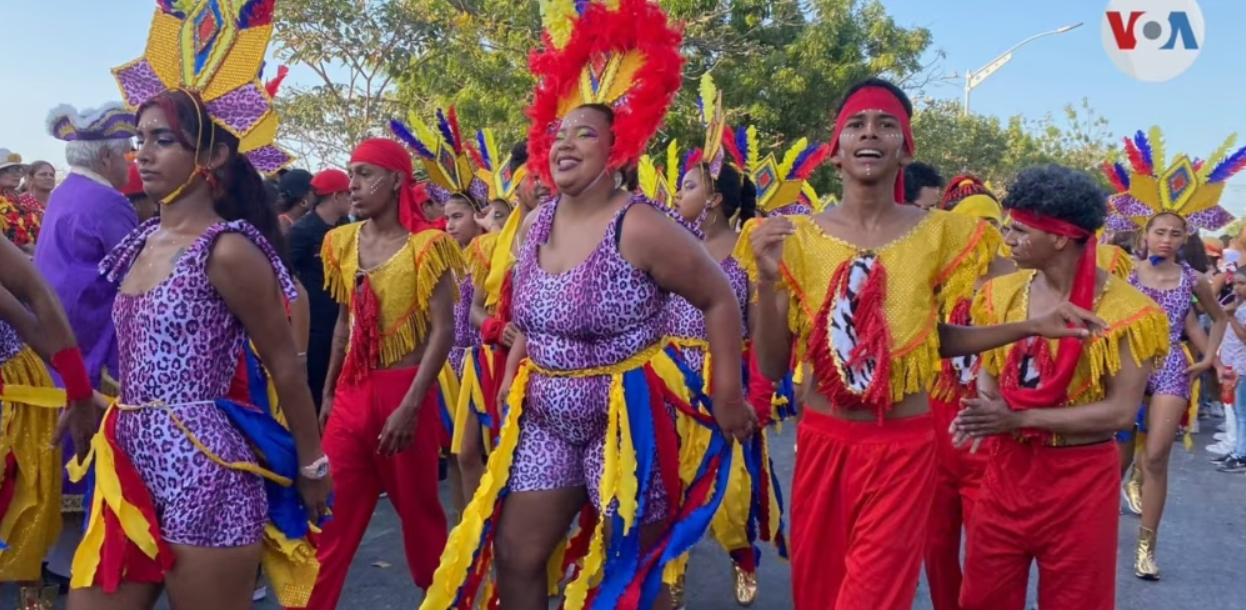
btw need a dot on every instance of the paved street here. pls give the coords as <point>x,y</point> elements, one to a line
<point>1202,547</point>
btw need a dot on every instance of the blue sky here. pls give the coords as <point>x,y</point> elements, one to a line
<point>54,60</point>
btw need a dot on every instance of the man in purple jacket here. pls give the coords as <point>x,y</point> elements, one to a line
<point>86,217</point>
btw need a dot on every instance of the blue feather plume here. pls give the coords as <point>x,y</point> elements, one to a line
<point>581,6</point>
<point>687,161</point>
<point>484,150</point>
<point>1144,147</point>
<point>1231,165</point>
<point>1121,173</point>
<point>402,132</point>
<point>444,126</point>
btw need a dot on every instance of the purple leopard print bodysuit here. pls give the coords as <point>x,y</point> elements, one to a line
<point>465,335</point>
<point>599,313</point>
<point>1169,377</point>
<point>179,347</point>
<point>685,321</point>
<point>10,344</point>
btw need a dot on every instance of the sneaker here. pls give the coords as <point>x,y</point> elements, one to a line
<point>1222,428</point>
<point>1220,436</point>
<point>1233,464</point>
<point>1220,448</point>
<point>261,592</point>
<point>1220,459</point>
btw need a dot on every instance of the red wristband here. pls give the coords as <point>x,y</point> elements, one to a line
<point>73,371</point>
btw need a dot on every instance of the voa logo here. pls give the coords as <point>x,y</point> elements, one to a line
<point>1153,40</point>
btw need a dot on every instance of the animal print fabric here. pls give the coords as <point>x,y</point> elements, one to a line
<point>599,313</point>
<point>465,335</point>
<point>10,344</point>
<point>685,321</point>
<point>1169,376</point>
<point>178,348</point>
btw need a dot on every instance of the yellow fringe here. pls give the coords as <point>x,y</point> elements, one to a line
<point>1115,261</point>
<point>32,523</point>
<point>404,315</point>
<point>1196,389</point>
<point>479,256</point>
<point>960,277</point>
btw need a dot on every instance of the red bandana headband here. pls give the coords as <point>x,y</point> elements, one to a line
<point>390,155</point>
<point>877,98</point>
<point>1054,392</point>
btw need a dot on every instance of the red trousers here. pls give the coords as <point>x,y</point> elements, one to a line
<point>860,507</point>
<point>360,474</point>
<point>1056,505</point>
<point>958,475</point>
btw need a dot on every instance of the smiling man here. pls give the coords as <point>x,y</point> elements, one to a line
<point>1054,406</point>
<point>856,292</point>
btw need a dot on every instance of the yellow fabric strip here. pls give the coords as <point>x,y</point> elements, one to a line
<point>50,398</point>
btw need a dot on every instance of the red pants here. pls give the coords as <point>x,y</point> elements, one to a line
<point>957,478</point>
<point>360,475</point>
<point>860,507</point>
<point>1056,505</point>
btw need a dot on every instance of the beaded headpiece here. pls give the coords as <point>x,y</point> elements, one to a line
<point>1185,188</point>
<point>779,185</point>
<point>215,49</point>
<point>108,122</point>
<point>494,169</point>
<point>620,53</point>
<point>444,156</point>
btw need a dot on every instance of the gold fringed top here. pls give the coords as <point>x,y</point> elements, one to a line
<point>403,284</point>
<point>927,271</point>
<point>1130,315</point>
<point>479,257</point>
<point>1115,261</point>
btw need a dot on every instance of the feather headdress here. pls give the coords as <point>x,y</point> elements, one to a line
<point>444,155</point>
<point>660,184</point>
<point>1187,188</point>
<point>620,53</point>
<point>494,169</point>
<point>780,185</point>
<point>215,49</point>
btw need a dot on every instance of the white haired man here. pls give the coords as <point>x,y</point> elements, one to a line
<point>85,218</point>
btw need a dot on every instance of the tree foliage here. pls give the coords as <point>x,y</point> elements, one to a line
<point>996,150</point>
<point>351,48</point>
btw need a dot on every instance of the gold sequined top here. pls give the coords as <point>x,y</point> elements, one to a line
<point>927,270</point>
<point>403,284</point>
<point>1130,316</point>
<point>479,255</point>
<point>1114,260</point>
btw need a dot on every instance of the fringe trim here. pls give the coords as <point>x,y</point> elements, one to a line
<point>479,256</point>
<point>439,256</point>
<point>957,280</point>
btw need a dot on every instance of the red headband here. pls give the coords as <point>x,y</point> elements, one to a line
<point>877,98</point>
<point>1054,391</point>
<point>390,155</point>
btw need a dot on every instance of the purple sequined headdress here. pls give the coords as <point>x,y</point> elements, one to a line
<point>109,122</point>
<point>214,48</point>
<point>1151,186</point>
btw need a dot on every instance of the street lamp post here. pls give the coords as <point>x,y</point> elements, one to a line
<point>975,78</point>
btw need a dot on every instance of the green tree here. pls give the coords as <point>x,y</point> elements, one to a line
<point>352,47</point>
<point>782,64</point>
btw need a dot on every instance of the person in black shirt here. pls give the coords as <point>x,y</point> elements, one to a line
<point>923,186</point>
<point>330,206</point>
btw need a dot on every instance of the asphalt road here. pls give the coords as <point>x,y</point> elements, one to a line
<point>1202,552</point>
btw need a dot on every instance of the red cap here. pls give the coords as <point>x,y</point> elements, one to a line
<point>134,185</point>
<point>330,181</point>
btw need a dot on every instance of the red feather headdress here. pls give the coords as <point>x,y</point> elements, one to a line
<point>621,53</point>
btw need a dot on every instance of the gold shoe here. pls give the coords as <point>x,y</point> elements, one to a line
<point>745,586</point>
<point>1144,561</point>
<point>1133,491</point>
<point>37,598</point>
<point>677,593</point>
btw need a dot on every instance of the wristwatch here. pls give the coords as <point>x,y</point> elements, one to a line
<point>318,469</point>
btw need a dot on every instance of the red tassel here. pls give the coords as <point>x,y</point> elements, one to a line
<point>454,129</point>
<point>812,162</point>
<point>366,351</point>
<point>873,341</point>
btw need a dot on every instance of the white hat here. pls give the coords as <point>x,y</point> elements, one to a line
<point>9,159</point>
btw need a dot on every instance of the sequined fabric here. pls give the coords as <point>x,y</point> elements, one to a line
<point>599,313</point>
<point>685,321</point>
<point>179,347</point>
<point>1169,376</point>
<point>465,335</point>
